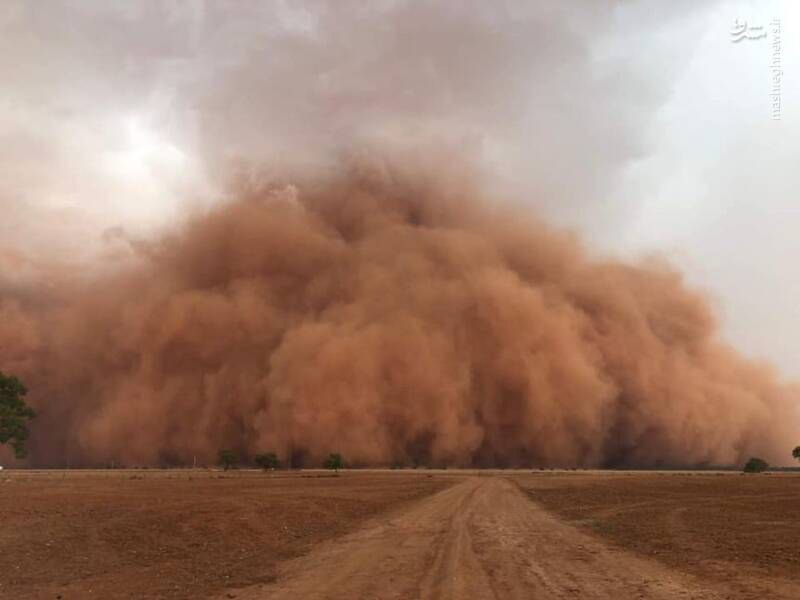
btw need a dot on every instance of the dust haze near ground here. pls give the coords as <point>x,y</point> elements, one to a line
<point>394,313</point>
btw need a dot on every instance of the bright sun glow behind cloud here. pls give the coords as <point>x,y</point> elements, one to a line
<point>143,153</point>
<point>119,117</point>
<point>146,178</point>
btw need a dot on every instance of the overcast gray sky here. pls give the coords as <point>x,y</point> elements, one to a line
<point>644,126</point>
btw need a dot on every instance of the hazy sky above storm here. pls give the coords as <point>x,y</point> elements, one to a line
<point>641,125</point>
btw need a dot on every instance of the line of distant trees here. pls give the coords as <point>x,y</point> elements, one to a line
<point>15,416</point>
<point>759,465</point>
<point>269,461</point>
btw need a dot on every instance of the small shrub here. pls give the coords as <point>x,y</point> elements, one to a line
<point>268,461</point>
<point>756,465</point>
<point>334,462</point>
<point>227,459</point>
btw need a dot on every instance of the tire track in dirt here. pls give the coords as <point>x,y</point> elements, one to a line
<point>483,538</point>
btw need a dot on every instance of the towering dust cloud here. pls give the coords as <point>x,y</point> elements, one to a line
<point>391,315</point>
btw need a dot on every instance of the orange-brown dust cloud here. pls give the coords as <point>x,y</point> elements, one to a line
<point>393,318</point>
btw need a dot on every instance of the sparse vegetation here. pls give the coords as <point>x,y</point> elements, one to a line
<point>796,453</point>
<point>268,461</point>
<point>334,462</point>
<point>14,414</point>
<point>222,528</point>
<point>756,465</point>
<point>228,459</point>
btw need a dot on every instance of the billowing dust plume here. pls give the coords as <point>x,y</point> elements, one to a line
<point>394,317</point>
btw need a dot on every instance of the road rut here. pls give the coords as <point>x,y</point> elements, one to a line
<point>484,539</point>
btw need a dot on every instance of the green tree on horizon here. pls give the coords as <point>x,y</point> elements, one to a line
<point>796,452</point>
<point>334,462</point>
<point>227,459</point>
<point>267,461</point>
<point>756,465</point>
<point>14,414</point>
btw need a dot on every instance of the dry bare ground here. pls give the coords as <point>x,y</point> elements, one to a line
<point>401,535</point>
<point>483,538</point>
<point>731,528</point>
<point>175,534</point>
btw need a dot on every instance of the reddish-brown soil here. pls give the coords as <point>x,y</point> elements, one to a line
<point>161,534</point>
<point>484,538</point>
<point>399,535</point>
<point>714,525</point>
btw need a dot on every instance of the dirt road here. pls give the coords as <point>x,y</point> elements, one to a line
<point>483,538</point>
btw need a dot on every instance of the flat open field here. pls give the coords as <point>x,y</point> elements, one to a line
<point>717,526</point>
<point>175,534</point>
<point>404,534</point>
